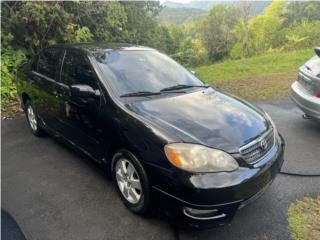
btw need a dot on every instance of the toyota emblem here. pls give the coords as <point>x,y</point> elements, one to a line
<point>263,144</point>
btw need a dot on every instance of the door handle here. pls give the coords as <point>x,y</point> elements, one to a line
<point>56,94</point>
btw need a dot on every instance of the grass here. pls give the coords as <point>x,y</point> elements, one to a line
<point>261,77</point>
<point>255,66</point>
<point>304,219</point>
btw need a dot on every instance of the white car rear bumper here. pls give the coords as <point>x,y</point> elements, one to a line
<point>308,103</point>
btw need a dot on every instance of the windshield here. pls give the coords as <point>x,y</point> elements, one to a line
<point>132,71</point>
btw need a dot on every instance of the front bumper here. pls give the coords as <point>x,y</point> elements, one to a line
<point>223,193</point>
<point>309,104</point>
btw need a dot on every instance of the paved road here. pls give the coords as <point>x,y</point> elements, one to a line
<point>55,194</point>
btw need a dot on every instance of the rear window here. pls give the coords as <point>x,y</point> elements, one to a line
<point>49,62</point>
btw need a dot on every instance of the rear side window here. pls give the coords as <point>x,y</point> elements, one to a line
<point>49,62</point>
<point>77,70</point>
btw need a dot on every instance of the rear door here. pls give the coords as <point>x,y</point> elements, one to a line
<point>80,115</point>
<point>44,76</point>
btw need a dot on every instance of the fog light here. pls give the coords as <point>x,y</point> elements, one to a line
<point>203,214</point>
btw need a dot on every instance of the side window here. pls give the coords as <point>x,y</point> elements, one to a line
<point>49,62</point>
<point>76,70</point>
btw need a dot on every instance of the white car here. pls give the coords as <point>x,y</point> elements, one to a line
<point>305,92</point>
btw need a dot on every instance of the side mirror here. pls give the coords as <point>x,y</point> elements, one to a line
<point>82,90</point>
<point>193,72</point>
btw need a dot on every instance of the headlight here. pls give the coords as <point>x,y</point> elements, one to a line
<point>198,158</point>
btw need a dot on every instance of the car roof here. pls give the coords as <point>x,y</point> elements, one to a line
<point>94,47</point>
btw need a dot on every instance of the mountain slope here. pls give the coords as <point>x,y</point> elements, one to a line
<point>179,15</point>
<point>175,12</point>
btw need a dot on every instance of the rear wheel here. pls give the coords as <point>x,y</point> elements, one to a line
<point>131,181</point>
<point>33,120</point>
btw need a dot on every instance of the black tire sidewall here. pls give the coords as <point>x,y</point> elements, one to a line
<point>142,206</point>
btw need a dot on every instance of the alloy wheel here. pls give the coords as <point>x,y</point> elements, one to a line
<point>32,118</point>
<point>128,181</point>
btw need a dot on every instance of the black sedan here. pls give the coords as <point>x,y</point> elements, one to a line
<point>161,133</point>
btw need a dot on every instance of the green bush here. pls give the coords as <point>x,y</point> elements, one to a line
<point>10,61</point>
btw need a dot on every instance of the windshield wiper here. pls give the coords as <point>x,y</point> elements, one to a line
<point>140,94</point>
<point>182,86</point>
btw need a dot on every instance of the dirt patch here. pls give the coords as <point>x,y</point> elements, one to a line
<point>11,109</point>
<point>271,86</point>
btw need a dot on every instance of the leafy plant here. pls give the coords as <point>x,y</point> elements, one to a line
<point>76,33</point>
<point>10,60</point>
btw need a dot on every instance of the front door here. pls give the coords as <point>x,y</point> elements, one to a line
<point>80,115</point>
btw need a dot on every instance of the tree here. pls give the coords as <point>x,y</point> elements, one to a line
<point>299,11</point>
<point>256,35</point>
<point>214,30</point>
<point>27,27</point>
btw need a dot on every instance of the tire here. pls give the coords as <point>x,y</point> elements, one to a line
<point>33,120</point>
<point>130,180</point>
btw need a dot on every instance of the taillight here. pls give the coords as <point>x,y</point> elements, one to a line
<point>318,94</point>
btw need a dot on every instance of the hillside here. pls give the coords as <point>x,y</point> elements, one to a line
<point>179,15</point>
<point>175,12</point>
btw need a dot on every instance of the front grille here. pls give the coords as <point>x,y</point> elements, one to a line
<point>258,148</point>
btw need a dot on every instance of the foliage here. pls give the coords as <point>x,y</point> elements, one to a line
<point>255,36</point>
<point>10,60</point>
<point>27,27</point>
<point>75,33</point>
<point>229,31</point>
<point>214,30</point>
<point>299,11</point>
<point>301,35</point>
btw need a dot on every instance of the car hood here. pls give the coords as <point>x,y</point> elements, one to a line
<point>206,117</point>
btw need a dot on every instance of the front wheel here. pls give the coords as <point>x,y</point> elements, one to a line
<point>33,119</point>
<point>131,181</point>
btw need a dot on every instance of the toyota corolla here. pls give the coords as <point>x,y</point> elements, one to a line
<point>162,134</point>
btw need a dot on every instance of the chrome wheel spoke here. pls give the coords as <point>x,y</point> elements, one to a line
<point>121,186</point>
<point>125,192</point>
<point>123,166</point>
<point>133,194</point>
<point>130,171</point>
<point>119,175</point>
<point>136,184</point>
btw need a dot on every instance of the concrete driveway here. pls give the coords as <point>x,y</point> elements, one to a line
<point>54,193</point>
